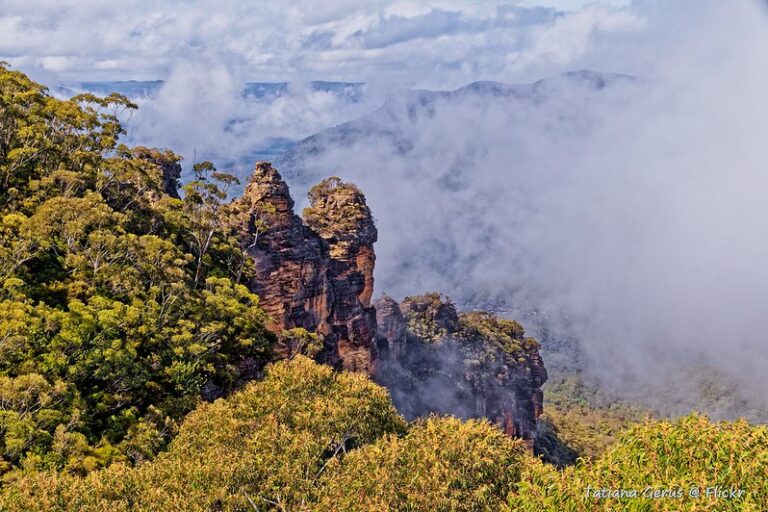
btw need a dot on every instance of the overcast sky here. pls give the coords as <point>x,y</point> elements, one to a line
<point>416,43</point>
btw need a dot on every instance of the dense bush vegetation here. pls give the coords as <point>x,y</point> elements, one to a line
<point>564,435</point>
<point>307,438</point>
<point>655,456</point>
<point>433,318</point>
<point>430,317</point>
<point>441,464</point>
<point>269,445</point>
<point>119,301</point>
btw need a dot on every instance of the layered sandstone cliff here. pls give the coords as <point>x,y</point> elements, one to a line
<point>316,273</point>
<point>339,215</point>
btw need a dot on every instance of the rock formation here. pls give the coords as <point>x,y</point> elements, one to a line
<point>316,274</point>
<point>391,334</point>
<point>339,214</point>
<point>470,365</point>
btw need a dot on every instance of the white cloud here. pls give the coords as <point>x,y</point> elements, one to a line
<point>416,43</point>
<point>575,5</point>
<point>207,49</point>
<point>639,212</point>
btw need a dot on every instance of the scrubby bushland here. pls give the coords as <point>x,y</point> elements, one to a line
<point>656,456</point>
<point>266,447</point>
<point>440,464</point>
<point>309,439</point>
<point>120,302</point>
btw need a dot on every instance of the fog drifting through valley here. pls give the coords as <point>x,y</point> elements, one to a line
<point>636,211</point>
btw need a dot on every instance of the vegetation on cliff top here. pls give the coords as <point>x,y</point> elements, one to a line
<point>338,212</point>
<point>432,318</point>
<point>429,317</point>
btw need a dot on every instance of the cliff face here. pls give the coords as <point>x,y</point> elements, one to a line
<point>391,333</point>
<point>316,274</point>
<point>339,215</point>
<point>470,365</point>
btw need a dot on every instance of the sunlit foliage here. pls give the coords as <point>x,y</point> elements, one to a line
<point>267,447</point>
<point>679,456</point>
<point>309,439</point>
<point>119,302</point>
<point>441,464</point>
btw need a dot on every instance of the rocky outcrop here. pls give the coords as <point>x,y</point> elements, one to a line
<point>339,215</point>
<point>390,329</point>
<point>470,365</point>
<point>316,273</point>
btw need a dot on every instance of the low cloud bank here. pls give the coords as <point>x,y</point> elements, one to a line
<point>634,209</point>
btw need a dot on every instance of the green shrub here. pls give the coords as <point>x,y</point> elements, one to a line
<point>120,302</point>
<point>270,444</point>
<point>656,456</point>
<point>441,464</point>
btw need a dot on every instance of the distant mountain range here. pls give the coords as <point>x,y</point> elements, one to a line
<point>403,114</point>
<point>395,123</point>
<point>397,127</point>
<point>258,91</point>
<point>133,89</point>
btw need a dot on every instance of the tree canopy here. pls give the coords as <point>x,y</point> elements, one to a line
<point>307,438</point>
<point>268,446</point>
<point>120,302</point>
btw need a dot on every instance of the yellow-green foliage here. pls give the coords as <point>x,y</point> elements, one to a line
<point>441,464</point>
<point>309,439</point>
<point>336,209</point>
<point>297,340</point>
<point>588,432</point>
<point>580,419</point>
<point>430,316</point>
<point>270,444</point>
<point>654,456</point>
<point>119,302</point>
<point>505,334</point>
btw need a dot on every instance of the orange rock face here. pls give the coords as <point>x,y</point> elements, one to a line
<point>317,273</point>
